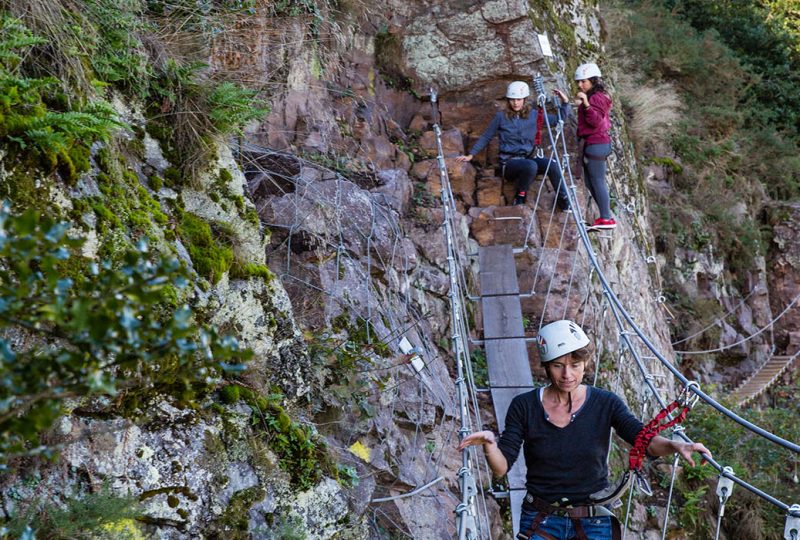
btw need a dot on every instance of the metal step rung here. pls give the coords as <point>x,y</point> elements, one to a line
<point>505,387</point>
<point>499,295</point>
<point>509,218</point>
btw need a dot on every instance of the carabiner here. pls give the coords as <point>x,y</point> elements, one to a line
<point>688,398</point>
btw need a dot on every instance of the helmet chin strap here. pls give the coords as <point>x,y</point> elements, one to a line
<point>569,397</point>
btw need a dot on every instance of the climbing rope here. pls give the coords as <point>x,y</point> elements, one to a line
<point>659,423</point>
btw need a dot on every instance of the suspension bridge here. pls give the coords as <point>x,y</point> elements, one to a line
<point>308,196</point>
<point>507,358</point>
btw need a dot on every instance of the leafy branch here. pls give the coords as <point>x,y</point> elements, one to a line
<point>73,327</point>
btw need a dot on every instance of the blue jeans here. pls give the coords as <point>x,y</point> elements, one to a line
<point>561,527</point>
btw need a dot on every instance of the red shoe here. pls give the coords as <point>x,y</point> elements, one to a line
<point>602,223</point>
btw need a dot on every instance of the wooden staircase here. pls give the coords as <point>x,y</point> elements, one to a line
<point>762,379</point>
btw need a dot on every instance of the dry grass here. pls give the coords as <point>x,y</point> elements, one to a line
<point>64,54</point>
<point>652,112</point>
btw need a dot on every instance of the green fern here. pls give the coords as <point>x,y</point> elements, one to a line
<point>232,106</point>
<point>27,124</point>
<point>14,36</point>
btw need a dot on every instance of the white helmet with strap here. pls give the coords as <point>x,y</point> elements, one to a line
<point>518,90</point>
<point>587,71</point>
<point>559,338</point>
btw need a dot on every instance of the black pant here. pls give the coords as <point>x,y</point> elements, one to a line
<point>524,170</point>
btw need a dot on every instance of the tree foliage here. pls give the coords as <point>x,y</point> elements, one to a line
<point>739,71</point>
<point>72,328</point>
<point>767,50</point>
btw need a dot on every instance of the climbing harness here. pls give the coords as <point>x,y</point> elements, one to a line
<point>574,513</point>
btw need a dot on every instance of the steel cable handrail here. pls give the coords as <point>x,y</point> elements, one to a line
<point>467,524</point>
<point>748,338</point>
<point>720,319</point>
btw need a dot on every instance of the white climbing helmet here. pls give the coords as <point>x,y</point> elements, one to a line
<point>518,90</point>
<point>587,71</point>
<point>559,338</point>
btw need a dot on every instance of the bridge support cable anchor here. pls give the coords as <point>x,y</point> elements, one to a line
<point>724,490</point>
<point>792,529</point>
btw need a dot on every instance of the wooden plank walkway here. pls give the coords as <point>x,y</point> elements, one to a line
<point>762,379</point>
<point>506,353</point>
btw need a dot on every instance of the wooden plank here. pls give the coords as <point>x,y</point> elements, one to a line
<point>506,352</point>
<point>502,317</point>
<point>498,274</point>
<point>501,397</point>
<point>761,380</point>
<point>508,364</point>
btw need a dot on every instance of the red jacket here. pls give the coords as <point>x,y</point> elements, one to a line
<point>593,121</point>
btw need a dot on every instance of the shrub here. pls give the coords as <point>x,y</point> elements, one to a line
<point>103,332</point>
<point>94,515</point>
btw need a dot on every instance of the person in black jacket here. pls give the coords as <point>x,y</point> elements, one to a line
<point>564,429</point>
<point>517,128</point>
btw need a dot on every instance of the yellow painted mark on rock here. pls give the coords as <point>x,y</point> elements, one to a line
<point>126,529</point>
<point>360,450</point>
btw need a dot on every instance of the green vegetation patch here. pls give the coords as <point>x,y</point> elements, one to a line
<point>757,460</point>
<point>211,258</point>
<point>39,128</point>
<point>94,515</point>
<point>301,452</point>
<point>117,332</point>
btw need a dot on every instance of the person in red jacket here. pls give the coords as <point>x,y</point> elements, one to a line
<point>594,105</point>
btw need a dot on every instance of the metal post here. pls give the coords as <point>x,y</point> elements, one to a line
<point>792,530</point>
<point>724,490</point>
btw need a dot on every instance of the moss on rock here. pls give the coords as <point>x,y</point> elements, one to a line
<point>211,259</point>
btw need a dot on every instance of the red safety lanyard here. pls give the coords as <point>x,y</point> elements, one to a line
<point>639,450</point>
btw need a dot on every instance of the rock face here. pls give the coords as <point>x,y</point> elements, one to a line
<point>493,39</point>
<point>784,275</point>
<point>357,250</point>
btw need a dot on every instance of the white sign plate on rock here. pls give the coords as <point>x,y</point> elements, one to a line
<point>544,44</point>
